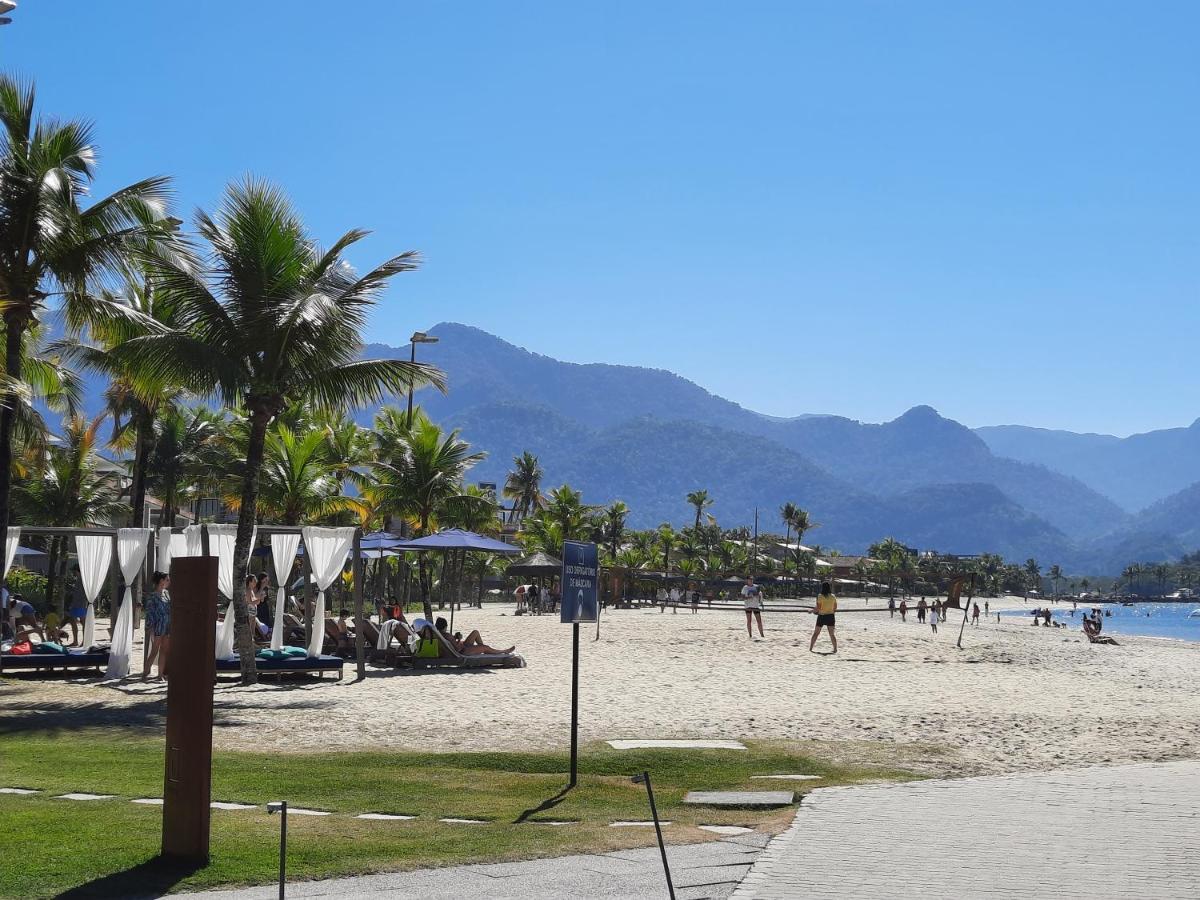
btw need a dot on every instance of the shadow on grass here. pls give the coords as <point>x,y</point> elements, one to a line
<point>153,878</point>
<point>548,803</point>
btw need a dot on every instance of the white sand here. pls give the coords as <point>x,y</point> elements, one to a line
<point>1016,697</point>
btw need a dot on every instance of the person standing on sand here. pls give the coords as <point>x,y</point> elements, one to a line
<point>985,608</point>
<point>922,607</point>
<point>826,608</point>
<point>752,598</point>
<point>892,607</point>
<point>903,610</point>
<point>933,619</point>
<point>975,615</point>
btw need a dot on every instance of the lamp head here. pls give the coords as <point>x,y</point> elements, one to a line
<point>639,779</point>
<point>275,806</point>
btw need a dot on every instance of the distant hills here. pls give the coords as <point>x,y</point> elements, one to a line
<point>1091,503</point>
<point>647,436</point>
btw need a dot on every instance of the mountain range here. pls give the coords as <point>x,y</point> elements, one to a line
<point>1090,503</point>
<point>648,436</point>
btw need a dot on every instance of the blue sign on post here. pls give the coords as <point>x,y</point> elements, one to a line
<point>580,582</point>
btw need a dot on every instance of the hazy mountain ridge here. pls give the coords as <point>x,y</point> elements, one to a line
<point>1136,471</point>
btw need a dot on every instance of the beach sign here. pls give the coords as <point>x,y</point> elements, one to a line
<point>580,582</point>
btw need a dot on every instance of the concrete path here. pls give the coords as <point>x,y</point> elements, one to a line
<point>710,870</point>
<point>1124,831</point>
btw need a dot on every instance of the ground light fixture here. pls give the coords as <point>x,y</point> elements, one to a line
<point>644,778</point>
<point>280,806</point>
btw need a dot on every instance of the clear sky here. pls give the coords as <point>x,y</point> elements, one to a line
<point>847,207</point>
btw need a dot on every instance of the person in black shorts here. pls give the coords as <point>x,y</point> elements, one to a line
<point>826,616</point>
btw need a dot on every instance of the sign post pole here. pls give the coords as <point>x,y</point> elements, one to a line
<point>580,584</point>
<point>574,705</point>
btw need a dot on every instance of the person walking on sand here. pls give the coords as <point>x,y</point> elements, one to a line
<point>975,615</point>
<point>933,619</point>
<point>826,608</point>
<point>752,599</point>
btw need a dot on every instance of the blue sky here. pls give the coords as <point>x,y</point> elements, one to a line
<point>848,207</point>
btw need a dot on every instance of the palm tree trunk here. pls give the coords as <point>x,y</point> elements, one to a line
<point>14,330</point>
<point>52,577</point>
<point>141,462</point>
<point>259,419</point>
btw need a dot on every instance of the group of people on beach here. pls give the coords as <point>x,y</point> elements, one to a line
<point>932,612</point>
<point>825,610</point>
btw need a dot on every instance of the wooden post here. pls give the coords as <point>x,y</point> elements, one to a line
<point>192,666</point>
<point>357,569</point>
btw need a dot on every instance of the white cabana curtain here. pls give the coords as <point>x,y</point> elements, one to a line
<point>10,548</point>
<point>326,549</point>
<point>132,545</point>
<point>95,556</point>
<point>221,540</point>
<point>283,554</point>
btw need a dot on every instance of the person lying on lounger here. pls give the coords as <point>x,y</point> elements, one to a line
<point>24,619</point>
<point>472,645</point>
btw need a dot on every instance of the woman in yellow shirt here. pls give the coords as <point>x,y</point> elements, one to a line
<point>826,607</point>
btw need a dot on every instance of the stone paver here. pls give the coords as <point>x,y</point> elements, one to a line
<point>709,870</point>
<point>1122,831</point>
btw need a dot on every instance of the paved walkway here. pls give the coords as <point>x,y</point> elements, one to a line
<point>709,870</point>
<point>1124,831</point>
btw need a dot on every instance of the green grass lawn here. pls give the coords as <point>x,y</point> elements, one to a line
<point>107,847</point>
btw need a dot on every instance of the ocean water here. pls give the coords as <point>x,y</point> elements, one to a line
<point>1170,620</point>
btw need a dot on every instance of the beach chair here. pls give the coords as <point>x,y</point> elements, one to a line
<point>291,666</point>
<point>480,660</point>
<point>69,660</point>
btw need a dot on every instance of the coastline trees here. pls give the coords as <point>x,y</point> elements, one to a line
<point>524,486</point>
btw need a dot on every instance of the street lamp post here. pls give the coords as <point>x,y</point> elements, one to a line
<point>419,337</point>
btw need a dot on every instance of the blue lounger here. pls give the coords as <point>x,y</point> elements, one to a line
<point>48,662</point>
<point>318,664</point>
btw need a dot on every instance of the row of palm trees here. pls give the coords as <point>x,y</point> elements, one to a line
<point>249,308</point>
<point>1151,578</point>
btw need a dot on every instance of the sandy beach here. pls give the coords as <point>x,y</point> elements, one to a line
<point>1016,697</point>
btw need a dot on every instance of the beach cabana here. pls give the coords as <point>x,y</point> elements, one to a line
<point>536,565</point>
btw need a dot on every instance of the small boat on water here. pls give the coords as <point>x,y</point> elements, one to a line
<point>1194,614</point>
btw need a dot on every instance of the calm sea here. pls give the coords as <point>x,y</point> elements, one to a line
<point>1169,620</point>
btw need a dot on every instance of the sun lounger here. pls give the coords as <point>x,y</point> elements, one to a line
<point>287,666</point>
<point>478,660</point>
<point>95,658</point>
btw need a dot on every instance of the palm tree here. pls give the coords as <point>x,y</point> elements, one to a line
<point>612,526</point>
<point>179,454</point>
<point>890,553</point>
<point>701,501</point>
<point>70,489</point>
<point>787,512</point>
<point>802,523</point>
<point>50,245</point>
<point>524,486</point>
<point>424,472</point>
<point>298,482</point>
<point>1055,575</point>
<point>269,321</point>
<point>1033,574</point>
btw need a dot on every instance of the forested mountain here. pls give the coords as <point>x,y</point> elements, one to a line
<point>1135,471</point>
<point>647,437</point>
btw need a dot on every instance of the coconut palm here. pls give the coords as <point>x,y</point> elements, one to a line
<point>268,320</point>
<point>1055,575</point>
<point>298,482</point>
<point>71,489</point>
<point>1033,574</point>
<point>524,486</point>
<point>178,454</point>
<point>50,245</point>
<point>802,523</point>
<point>700,500</point>
<point>424,471</point>
<point>612,527</point>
